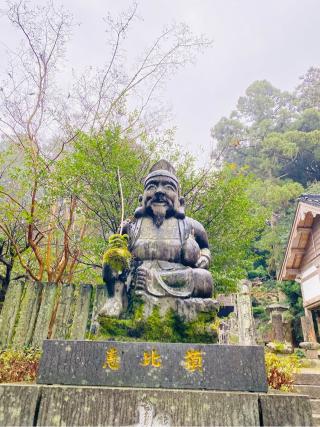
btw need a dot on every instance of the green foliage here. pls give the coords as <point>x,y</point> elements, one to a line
<point>89,172</point>
<point>167,328</point>
<point>276,136</point>
<point>308,92</point>
<point>271,135</point>
<point>19,365</point>
<point>293,292</point>
<point>299,353</point>
<point>281,370</point>
<point>232,219</point>
<point>278,347</point>
<point>218,199</point>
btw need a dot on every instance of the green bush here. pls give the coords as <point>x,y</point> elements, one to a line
<point>300,353</point>
<point>281,370</point>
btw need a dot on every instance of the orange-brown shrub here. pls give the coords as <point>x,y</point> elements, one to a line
<point>19,365</point>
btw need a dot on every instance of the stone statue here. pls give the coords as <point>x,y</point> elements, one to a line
<point>170,251</point>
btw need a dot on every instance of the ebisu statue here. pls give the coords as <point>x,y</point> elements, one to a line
<point>169,253</point>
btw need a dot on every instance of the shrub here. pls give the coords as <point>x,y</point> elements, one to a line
<point>281,370</point>
<point>19,365</point>
<point>299,353</point>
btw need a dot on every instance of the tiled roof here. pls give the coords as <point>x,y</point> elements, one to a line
<point>310,199</point>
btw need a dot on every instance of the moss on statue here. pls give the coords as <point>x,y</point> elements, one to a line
<point>168,328</point>
<point>117,255</point>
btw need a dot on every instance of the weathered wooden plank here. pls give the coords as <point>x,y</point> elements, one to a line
<point>81,313</point>
<point>45,313</point>
<point>18,404</point>
<point>100,296</point>
<point>64,316</point>
<point>28,314</point>
<point>9,312</point>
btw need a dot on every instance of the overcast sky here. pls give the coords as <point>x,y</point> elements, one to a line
<point>277,40</point>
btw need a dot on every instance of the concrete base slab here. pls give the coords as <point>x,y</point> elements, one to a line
<point>38,405</point>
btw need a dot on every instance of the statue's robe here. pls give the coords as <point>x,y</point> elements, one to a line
<point>159,250</point>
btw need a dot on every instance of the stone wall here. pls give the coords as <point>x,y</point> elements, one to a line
<point>33,405</point>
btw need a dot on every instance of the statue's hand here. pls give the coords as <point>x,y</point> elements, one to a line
<point>203,262</point>
<point>108,275</point>
<point>143,276</point>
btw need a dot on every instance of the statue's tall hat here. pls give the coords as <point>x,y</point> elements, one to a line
<point>162,168</point>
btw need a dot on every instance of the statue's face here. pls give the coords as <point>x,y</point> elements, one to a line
<point>161,196</point>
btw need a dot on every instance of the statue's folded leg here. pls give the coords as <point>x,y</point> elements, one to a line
<point>174,280</point>
<point>203,283</point>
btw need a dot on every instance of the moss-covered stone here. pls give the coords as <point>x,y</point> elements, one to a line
<point>168,328</point>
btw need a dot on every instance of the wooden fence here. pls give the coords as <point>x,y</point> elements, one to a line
<point>35,311</point>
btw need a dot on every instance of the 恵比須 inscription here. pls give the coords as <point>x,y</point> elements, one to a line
<point>167,365</point>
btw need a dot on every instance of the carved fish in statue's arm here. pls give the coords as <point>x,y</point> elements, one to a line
<point>201,238</point>
<point>116,259</point>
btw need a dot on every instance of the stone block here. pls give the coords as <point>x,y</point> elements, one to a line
<point>312,354</point>
<point>187,308</point>
<point>32,405</point>
<point>18,404</point>
<point>313,391</point>
<point>310,345</point>
<point>307,379</point>
<point>285,410</point>
<point>186,366</point>
<point>95,406</point>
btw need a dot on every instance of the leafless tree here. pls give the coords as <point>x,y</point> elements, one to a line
<point>38,120</point>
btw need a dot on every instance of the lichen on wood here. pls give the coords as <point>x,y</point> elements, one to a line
<point>64,315</point>
<point>81,313</point>
<point>100,294</point>
<point>9,312</point>
<point>29,308</point>
<point>45,313</point>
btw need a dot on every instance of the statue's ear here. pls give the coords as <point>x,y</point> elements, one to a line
<point>140,211</point>
<point>180,212</point>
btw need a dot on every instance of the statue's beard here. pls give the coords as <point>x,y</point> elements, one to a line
<point>160,208</point>
<point>159,214</point>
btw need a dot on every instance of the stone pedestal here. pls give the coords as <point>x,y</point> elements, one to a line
<point>311,349</point>
<point>153,364</point>
<point>34,405</point>
<point>116,304</point>
<point>187,308</point>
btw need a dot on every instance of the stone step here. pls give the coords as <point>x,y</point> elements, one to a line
<point>313,391</point>
<point>315,405</point>
<point>310,363</point>
<point>307,379</point>
<point>316,420</point>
